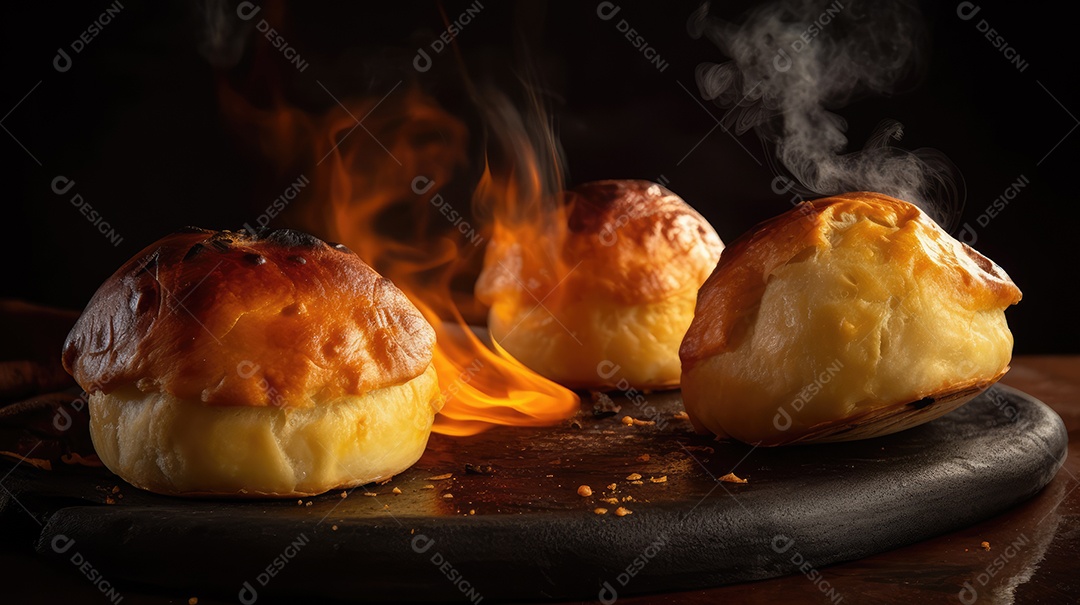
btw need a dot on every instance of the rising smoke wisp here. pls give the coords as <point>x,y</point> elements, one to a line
<point>794,63</point>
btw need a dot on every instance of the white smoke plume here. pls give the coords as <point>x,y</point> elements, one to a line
<point>793,63</point>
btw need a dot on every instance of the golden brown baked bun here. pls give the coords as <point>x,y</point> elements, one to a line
<point>844,318</point>
<point>222,364</point>
<point>633,257</point>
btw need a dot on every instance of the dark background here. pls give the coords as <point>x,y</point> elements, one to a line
<point>136,124</point>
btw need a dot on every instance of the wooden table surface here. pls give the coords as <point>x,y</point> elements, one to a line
<point>1032,557</point>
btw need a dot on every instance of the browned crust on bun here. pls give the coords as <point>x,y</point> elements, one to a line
<point>632,241</point>
<point>284,320</point>
<point>728,300</point>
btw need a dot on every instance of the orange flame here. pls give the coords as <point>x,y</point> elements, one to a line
<point>377,166</point>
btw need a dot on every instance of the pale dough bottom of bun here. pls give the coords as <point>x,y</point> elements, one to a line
<point>838,339</point>
<point>598,343</point>
<point>171,446</point>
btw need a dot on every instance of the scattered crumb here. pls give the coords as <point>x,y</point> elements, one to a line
<point>633,477</point>
<point>548,476</point>
<point>600,511</point>
<point>428,486</point>
<point>732,478</point>
<point>448,496</point>
<point>110,500</point>
<point>344,494</point>
<point>610,500</point>
<point>479,469</point>
<point>662,479</point>
<point>299,502</point>
<point>396,490</point>
<point>386,507</point>
<point>622,511</point>
<point>116,489</point>
<point>333,527</point>
<point>308,503</point>
<point>627,420</point>
<point>643,458</point>
<point>603,405</point>
<point>370,494</point>
<point>637,483</point>
<point>628,499</point>
<point>442,477</point>
<point>193,601</point>
<point>385,481</point>
<point>584,491</point>
<point>612,486</point>
<point>984,545</point>
<point>472,511</point>
<point>681,416</point>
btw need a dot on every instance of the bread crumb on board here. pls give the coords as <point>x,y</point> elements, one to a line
<point>584,491</point>
<point>733,478</point>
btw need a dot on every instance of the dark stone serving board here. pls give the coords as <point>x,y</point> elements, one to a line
<point>532,536</point>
